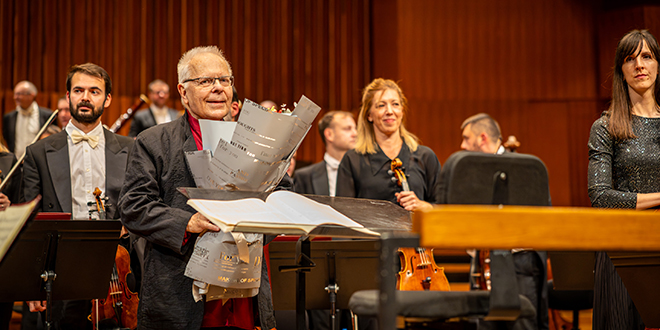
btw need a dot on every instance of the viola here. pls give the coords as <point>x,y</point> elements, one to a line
<point>419,272</point>
<point>119,308</point>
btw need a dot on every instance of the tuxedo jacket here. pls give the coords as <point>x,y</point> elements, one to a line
<point>312,179</point>
<point>9,125</point>
<point>13,187</point>
<point>46,172</point>
<point>144,119</point>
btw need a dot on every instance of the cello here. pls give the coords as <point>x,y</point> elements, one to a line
<point>119,308</point>
<point>419,272</point>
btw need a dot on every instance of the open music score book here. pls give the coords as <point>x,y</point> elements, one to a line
<point>282,212</point>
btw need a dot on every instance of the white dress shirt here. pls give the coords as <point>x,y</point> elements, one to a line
<point>87,168</point>
<point>162,115</point>
<point>331,165</point>
<point>27,127</point>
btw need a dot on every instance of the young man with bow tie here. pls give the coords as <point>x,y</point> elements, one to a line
<point>65,168</point>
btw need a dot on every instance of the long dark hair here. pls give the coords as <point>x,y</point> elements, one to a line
<point>620,111</point>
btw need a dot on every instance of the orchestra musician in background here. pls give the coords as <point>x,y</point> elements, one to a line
<point>10,193</point>
<point>64,113</point>
<point>152,207</point>
<point>236,106</point>
<point>338,133</point>
<point>624,170</point>
<point>66,167</point>
<point>20,127</point>
<point>382,137</point>
<point>481,133</point>
<point>157,113</point>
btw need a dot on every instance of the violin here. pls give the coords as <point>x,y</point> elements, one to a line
<point>119,308</point>
<point>419,272</point>
<point>480,271</point>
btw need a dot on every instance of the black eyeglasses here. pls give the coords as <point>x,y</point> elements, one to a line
<point>206,82</point>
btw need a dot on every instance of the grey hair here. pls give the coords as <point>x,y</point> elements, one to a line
<point>157,82</point>
<point>31,87</point>
<point>183,68</point>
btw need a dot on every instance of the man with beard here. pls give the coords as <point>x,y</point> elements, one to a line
<point>482,133</point>
<point>65,168</point>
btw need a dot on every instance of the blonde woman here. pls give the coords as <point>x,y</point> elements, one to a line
<point>364,172</point>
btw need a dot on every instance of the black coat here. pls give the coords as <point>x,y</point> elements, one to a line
<point>153,208</point>
<point>144,119</point>
<point>9,125</point>
<point>312,179</point>
<point>46,172</point>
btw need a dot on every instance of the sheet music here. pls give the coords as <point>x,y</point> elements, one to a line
<point>11,222</point>
<point>214,130</point>
<point>259,151</point>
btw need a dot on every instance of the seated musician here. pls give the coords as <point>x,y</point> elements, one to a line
<point>65,168</point>
<point>481,133</point>
<point>382,137</point>
<point>9,193</point>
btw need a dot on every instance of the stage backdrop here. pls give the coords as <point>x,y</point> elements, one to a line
<point>539,67</point>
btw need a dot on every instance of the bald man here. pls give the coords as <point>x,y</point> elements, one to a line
<point>21,126</point>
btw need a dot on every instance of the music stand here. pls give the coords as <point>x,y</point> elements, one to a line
<point>379,216</point>
<point>506,179</point>
<point>60,260</point>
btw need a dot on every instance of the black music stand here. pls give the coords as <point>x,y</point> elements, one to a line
<point>376,215</point>
<point>341,268</point>
<point>60,260</point>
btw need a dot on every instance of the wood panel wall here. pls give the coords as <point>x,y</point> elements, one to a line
<point>535,66</point>
<point>278,49</point>
<point>539,67</point>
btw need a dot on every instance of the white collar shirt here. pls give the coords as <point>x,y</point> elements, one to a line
<point>87,169</point>
<point>27,127</point>
<point>331,165</point>
<point>162,115</point>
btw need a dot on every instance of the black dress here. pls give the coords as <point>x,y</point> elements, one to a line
<point>366,175</point>
<point>618,170</point>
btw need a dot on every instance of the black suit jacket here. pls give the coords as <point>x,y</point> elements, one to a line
<point>144,119</point>
<point>13,187</point>
<point>152,207</point>
<point>9,125</point>
<point>46,171</point>
<point>312,179</point>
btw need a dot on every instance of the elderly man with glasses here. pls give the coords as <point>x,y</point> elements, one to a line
<point>153,208</point>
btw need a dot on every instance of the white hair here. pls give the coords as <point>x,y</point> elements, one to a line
<point>183,68</point>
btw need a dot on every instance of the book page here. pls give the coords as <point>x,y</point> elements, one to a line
<point>198,162</point>
<point>265,134</point>
<point>227,214</point>
<point>214,130</point>
<point>11,222</point>
<point>304,210</point>
<point>242,170</point>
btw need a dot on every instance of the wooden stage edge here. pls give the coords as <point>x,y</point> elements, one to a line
<point>540,228</point>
